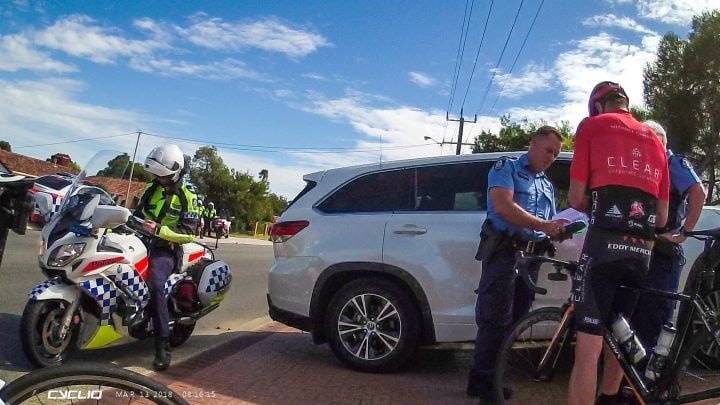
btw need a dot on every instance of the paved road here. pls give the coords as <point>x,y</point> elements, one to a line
<point>244,308</point>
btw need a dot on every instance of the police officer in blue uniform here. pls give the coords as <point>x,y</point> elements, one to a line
<point>521,204</point>
<point>687,197</point>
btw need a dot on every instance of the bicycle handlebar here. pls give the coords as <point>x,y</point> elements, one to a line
<point>523,262</point>
<point>711,233</point>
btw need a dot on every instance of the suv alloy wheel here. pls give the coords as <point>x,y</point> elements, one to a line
<point>372,325</point>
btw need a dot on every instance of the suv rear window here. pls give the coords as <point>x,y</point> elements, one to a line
<point>376,192</point>
<point>309,185</point>
<point>54,182</point>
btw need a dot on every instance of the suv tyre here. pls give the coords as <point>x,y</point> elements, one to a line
<point>372,325</point>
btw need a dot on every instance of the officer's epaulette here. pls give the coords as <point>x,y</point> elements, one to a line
<point>501,162</point>
<point>684,160</point>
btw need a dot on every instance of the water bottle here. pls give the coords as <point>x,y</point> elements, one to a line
<point>628,341</point>
<point>660,353</point>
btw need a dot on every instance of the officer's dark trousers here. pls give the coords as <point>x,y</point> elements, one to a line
<point>652,312</point>
<point>502,299</point>
<point>208,227</point>
<point>161,264</point>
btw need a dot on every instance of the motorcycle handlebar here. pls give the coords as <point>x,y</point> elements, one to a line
<point>523,262</point>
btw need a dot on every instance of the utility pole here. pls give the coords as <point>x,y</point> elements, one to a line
<point>460,129</point>
<point>132,166</point>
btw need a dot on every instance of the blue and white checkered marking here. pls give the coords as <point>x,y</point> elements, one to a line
<point>105,294</point>
<point>219,278</point>
<point>130,279</point>
<point>40,288</point>
<point>171,281</point>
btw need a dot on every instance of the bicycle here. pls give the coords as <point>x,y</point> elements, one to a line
<point>537,355</point>
<point>86,383</point>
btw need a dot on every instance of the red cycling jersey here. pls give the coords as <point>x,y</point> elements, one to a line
<point>615,149</point>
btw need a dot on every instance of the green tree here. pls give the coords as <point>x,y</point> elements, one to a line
<point>237,193</point>
<point>682,91</point>
<point>119,167</point>
<point>515,136</point>
<point>5,145</point>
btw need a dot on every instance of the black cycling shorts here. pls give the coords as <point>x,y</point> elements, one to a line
<point>608,260</point>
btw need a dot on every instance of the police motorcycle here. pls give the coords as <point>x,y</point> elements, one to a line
<point>96,259</point>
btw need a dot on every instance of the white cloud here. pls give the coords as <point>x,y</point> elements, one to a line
<point>269,34</point>
<point>219,70</point>
<point>611,20</point>
<point>678,12</point>
<point>421,79</point>
<point>533,78</point>
<point>46,111</point>
<point>80,36</point>
<point>18,53</point>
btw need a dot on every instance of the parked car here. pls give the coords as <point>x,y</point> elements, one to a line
<point>56,186</point>
<point>378,259</point>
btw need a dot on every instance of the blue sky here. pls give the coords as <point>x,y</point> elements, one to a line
<point>300,86</point>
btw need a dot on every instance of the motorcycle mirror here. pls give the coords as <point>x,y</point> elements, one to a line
<point>44,203</point>
<point>83,206</point>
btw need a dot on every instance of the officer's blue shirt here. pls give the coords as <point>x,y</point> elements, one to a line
<point>532,191</point>
<point>682,176</point>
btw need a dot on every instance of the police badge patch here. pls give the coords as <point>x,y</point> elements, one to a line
<point>499,164</point>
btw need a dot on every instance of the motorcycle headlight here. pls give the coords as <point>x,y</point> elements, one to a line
<point>64,254</point>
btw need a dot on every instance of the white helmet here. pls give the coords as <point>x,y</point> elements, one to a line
<point>166,160</point>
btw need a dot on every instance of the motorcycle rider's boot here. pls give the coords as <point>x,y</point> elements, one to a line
<point>162,355</point>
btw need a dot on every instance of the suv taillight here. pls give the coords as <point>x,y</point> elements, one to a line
<point>282,231</point>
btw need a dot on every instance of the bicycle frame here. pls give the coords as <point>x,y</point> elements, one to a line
<point>702,271</point>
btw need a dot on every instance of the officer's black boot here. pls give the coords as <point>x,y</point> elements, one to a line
<point>162,355</point>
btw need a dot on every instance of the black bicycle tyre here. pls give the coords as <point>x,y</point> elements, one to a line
<point>76,374</point>
<point>691,368</point>
<point>507,354</point>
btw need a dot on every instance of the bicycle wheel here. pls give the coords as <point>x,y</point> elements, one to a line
<point>87,383</point>
<point>521,354</point>
<point>694,375</point>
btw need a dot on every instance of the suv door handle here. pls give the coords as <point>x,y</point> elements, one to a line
<point>410,230</point>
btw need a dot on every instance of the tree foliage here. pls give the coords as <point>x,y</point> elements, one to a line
<point>514,136</point>
<point>237,193</point>
<point>682,91</point>
<point>5,145</point>
<point>119,167</point>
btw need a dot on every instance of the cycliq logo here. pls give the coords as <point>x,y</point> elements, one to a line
<point>74,394</point>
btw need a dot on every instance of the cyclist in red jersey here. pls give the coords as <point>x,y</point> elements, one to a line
<point>622,164</point>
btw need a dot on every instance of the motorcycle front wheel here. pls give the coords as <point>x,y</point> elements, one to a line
<point>39,333</point>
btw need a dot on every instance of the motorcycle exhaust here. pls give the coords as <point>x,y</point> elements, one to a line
<point>190,319</point>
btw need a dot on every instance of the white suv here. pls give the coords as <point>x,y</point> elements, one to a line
<point>378,259</point>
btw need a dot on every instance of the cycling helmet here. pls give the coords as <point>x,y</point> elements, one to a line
<point>199,202</point>
<point>602,91</point>
<point>166,160</point>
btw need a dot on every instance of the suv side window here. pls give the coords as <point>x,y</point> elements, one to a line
<point>375,192</point>
<point>452,187</point>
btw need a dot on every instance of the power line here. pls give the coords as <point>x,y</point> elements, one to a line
<point>517,56</point>
<point>284,149</point>
<point>477,54</point>
<point>507,40</point>
<point>461,50</point>
<point>74,141</point>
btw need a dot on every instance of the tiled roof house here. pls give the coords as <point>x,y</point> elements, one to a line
<point>32,167</point>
